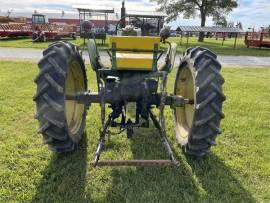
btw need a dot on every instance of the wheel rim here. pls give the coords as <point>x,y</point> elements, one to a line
<point>74,112</point>
<point>184,115</point>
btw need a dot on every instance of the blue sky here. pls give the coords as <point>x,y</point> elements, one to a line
<point>252,13</point>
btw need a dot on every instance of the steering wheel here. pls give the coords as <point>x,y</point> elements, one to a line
<point>117,25</point>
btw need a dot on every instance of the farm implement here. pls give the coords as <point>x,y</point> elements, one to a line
<point>254,39</point>
<point>15,30</point>
<point>135,76</point>
<point>40,29</point>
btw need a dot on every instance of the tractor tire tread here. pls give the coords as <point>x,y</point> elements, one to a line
<point>209,97</point>
<point>50,98</point>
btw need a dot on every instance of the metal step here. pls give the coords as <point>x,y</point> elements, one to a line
<point>137,163</point>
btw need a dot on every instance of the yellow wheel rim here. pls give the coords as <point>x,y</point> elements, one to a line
<point>74,112</point>
<point>184,115</point>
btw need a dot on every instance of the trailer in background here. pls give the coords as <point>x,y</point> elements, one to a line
<point>257,39</point>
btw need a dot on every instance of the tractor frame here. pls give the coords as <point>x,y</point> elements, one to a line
<point>121,94</point>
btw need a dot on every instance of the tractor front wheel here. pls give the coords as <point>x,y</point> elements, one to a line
<point>62,72</point>
<point>199,80</point>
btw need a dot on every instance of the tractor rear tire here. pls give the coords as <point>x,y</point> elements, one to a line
<point>199,80</point>
<point>62,72</point>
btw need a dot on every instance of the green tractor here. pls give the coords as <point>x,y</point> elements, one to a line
<point>135,76</point>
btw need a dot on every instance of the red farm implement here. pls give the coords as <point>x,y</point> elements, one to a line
<point>40,29</point>
<point>256,39</point>
<point>15,30</point>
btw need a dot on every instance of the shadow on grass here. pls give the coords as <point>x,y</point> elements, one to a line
<point>205,180</point>
<point>65,177</point>
<point>218,180</point>
<point>13,38</point>
<point>201,180</point>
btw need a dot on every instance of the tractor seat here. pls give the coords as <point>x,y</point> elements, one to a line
<point>134,53</point>
<point>134,61</point>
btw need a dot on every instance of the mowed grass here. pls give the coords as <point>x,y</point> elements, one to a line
<point>237,169</point>
<point>210,43</point>
<point>226,49</point>
<point>25,42</point>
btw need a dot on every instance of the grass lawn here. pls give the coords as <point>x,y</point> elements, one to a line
<point>212,44</point>
<point>23,42</point>
<point>226,49</point>
<point>237,169</point>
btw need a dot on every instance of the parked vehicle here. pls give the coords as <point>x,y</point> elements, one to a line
<point>134,76</point>
<point>40,29</point>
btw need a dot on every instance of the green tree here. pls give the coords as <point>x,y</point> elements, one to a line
<point>231,24</point>
<point>192,8</point>
<point>220,21</point>
<point>239,25</point>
